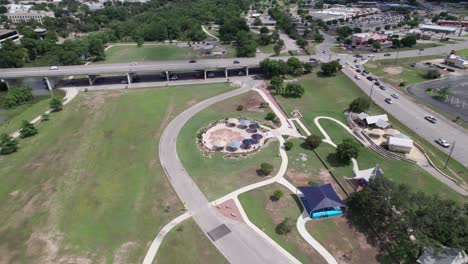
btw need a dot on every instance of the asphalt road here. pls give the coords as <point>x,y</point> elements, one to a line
<point>412,115</point>
<point>457,103</point>
<point>243,245</point>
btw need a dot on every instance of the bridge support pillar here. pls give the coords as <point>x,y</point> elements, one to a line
<point>246,71</point>
<point>167,75</point>
<point>50,83</point>
<point>91,79</point>
<point>129,78</point>
<point>226,72</point>
<point>7,83</point>
<point>204,74</point>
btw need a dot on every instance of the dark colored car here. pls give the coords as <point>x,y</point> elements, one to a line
<point>366,72</point>
<point>382,87</point>
<point>387,54</point>
<point>358,70</point>
<point>370,78</point>
<point>377,84</point>
<point>192,61</point>
<point>236,62</point>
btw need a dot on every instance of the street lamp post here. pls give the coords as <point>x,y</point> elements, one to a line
<point>450,155</point>
<point>371,90</point>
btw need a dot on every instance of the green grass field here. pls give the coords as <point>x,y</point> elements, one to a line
<point>130,53</point>
<point>331,97</point>
<point>186,243</point>
<point>28,111</point>
<point>266,215</point>
<point>394,72</point>
<point>217,176</point>
<point>268,49</point>
<point>463,52</point>
<point>90,185</point>
<point>415,47</point>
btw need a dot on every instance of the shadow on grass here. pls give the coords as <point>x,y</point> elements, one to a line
<point>298,202</point>
<point>335,161</point>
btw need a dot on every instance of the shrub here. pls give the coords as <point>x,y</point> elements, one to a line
<point>402,84</point>
<point>432,74</point>
<point>347,150</point>
<point>270,116</point>
<point>360,104</point>
<point>56,104</point>
<point>313,141</point>
<point>8,145</point>
<point>288,145</point>
<point>284,227</point>
<point>45,117</point>
<point>17,96</point>
<point>266,169</point>
<point>27,130</point>
<point>240,108</point>
<point>428,89</point>
<point>264,105</point>
<point>277,195</point>
<point>294,90</point>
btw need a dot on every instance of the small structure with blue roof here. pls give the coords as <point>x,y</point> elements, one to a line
<point>321,201</point>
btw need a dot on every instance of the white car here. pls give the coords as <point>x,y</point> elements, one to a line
<point>53,68</point>
<point>444,143</point>
<point>123,81</point>
<point>357,77</point>
<point>431,119</point>
<point>388,100</point>
<point>211,74</point>
<point>395,95</point>
<point>173,78</point>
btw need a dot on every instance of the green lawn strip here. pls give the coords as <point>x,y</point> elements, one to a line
<point>130,53</point>
<point>342,241</point>
<point>463,52</point>
<point>384,50</point>
<point>186,243</point>
<point>409,75</point>
<point>29,111</point>
<point>266,215</point>
<point>217,176</point>
<point>268,49</point>
<point>330,97</point>
<point>94,171</point>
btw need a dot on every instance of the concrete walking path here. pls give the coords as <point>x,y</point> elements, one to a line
<point>209,34</point>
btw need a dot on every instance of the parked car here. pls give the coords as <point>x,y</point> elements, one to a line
<point>395,95</point>
<point>382,87</point>
<point>53,68</point>
<point>363,74</point>
<point>357,65</point>
<point>237,62</point>
<point>357,77</point>
<point>421,49</point>
<point>192,61</point>
<point>173,77</point>
<point>444,143</point>
<point>387,54</point>
<point>370,78</point>
<point>388,100</point>
<point>211,74</point>
<point>366,72</point>
<point>123,81</point>
<point>133,64</point>
<point>431,119</point>
<point>377,83</point>
<point>358,70</point>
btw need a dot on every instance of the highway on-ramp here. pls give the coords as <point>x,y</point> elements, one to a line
<point>242,245</point>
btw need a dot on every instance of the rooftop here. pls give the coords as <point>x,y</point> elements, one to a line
<point>437,27</point>
<point>402,142</point>
<point>374,119</point>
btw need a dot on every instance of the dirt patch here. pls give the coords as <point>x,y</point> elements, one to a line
<point>275,209</point>
<point>393,70</point>
<point>124,52</point>
<point>302,178</point>
<point>123,252</point>
<point>252,104</point>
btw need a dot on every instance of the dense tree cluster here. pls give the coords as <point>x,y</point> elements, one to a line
<point>407,221</point>
<point>293,66</point>
<point>17,96</point>
<point>347,150</point>
<point>330,69</point>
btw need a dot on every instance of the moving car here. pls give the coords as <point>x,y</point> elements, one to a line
<point>382,87</point>
<point>236,62</point>
<point>421,49</point>
<point>444,143</point>
<point>123,81</point>
<point>388,100</point>
<point>395,95</point>
<point>173,77</point>
<point>431,119</point>
<point>192,61</point>
<point>211,74</point>
<point>357,77</point>
<point>133,64</point>
<point>53,68</point>
<point>387,54</point>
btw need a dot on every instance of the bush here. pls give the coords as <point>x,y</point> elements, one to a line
<point>270,116</point>
<point>432,74</point>
<point>360,104</point>
<point>266,169</point>
<point>428,89</point>
<point>8,145</point>
<point>288,145</point>
<point>45,117</point>
<point>264,105</point>
<point>402,84</point>
<point>17,96</point>
<point>347,150</point>
<point>56,104</point>
<point>27,130</point>
<point>284,227</point>
<point>313,141</point>
<point>277,195</point>
<point>240,108</point>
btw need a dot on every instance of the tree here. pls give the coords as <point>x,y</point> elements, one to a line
<point>266,169</point>
<point>288,145</point>
<point>271,67</point>
<point>347,150</point>
<point>408,41</point>
<point>378,28</point>
<point>360,104</point>
<point>344,31</point>
<point>313,141</point>
<point>432,74</point>
<point>264,30</point>
<point>12,55</point>
<point>377,45</point>
<point>308,67</point>
<point>8,145</point>
<point>276,84</point>
<point>396,43</point>
<point>257,21</point>
<point>318,5</point>
<point>318,38</point>
<point>294,90</point>
<point>330,68</point>
<point>357,30</point>
<point>277,48</point>
<point>301,42</point>
<point>284,227</point>
<point>270,116</point>
<point>56,104</point>
<point>370,41</point>
<point>17,96</point>
<point>387,27</point>
<point>295,66</point>
<point>277,195</point>
<point>443,93</point>
<point>27,130</point>
<point>264,39</point>
<point>140,42</point>
<point>246,44</point>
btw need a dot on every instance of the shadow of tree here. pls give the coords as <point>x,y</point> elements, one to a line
<point>335,161</point>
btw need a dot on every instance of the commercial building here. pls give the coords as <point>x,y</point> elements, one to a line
<point>23,13</point>
<point>445,256</point>
<point>456,61</point>
<point>363,38</point>
<point>342,12</point>
<point>453,23</point>
<point>9,35</point>
<point>438,29</point>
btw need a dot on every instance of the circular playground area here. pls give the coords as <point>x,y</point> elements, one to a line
<point>234,135</point>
